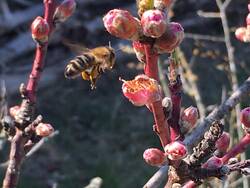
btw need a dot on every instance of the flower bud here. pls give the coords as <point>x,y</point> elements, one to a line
<point>170,39</point>
<point>189,117</point>
<point>213,163</point>
<point>40,30</point>
<point>248,19</point>
<point>122,24</point>
<point>223,142</point>
<point>142,90</point>
<point>242,34</point>
<point>44,129</point>
<point>167,103</point>
<point>176,150</point>
<point>154,156</point>
<point>153,23</point>
<point>245,117</point>
<point>139,51</point>
<point>14,110</point>
<point>64,11</point>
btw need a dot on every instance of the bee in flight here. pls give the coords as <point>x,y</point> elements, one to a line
<point>91,63</point>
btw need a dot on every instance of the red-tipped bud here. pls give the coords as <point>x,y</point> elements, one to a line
<point>189,117</point>
<point>14,110</point>
<point>176,150</point>
<point>154,156</point>
<point>44,129</point>
<point>242,34</point>
<point>153,23</point>
<point>223,142</point>
<point>170,39</point>
<point>161,4</point>
<point>64,11</point>
<point>213,163</point>
<point>245,117</point>
<point>248,19</point>
<point>142,90</point>
<point>122,24</point>
<point>40,30</point>
<point>139,51</point>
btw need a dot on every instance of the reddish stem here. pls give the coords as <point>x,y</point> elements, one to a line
<point>41,50</point>
<point>237,149</point>
<point>175,91</point>
<point>151,70</point>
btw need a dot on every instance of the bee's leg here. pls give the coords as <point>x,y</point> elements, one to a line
<point>92,82</point>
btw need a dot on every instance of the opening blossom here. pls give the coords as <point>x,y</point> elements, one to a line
<point>44,129</point>
<point>142,90</point>
<point>176,150</point>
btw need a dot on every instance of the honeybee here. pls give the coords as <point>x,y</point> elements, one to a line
<point>91,63</point>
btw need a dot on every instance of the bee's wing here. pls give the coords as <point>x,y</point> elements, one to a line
<point>77,48</point>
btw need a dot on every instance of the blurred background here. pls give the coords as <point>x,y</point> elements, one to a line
<point>101,134</point>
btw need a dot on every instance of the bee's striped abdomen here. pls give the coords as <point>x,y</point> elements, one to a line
<point>78,65</point>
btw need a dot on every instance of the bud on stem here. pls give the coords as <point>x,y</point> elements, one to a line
<point>40,30</point>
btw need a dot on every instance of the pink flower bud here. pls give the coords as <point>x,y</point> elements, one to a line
<point>40,29</point>
<point>248,19</point>
<point>122,24</point>
<point>245,117</point>
<point>142,90</point>
<point>14,110</point>
<point>153,23</point>
<point>189,117</point>
<point>176,150</point>
<point>64,10</point>
<point>154,156</point>
<point>248,7</point>
<point>44,129</point>
<point>242,34</point>
<point>139,51</point>
<point>213,163</point>
<point>223,142</point>
<point>170,39</point>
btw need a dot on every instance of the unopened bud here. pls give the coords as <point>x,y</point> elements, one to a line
<point>245,117</point>
<point>40,30</point>
<point>176,150</point>
<point>122,24</point>
<point>248,19</point>
<point>154,156</point>
<point>223,142</point>
<point>170,39</point>
<point>142,90</point>
<point>154,23</point>
<point>189,118</point>
<point>44,129</point>
<point>213,163</point>
<point>64,11</point>
<point>14,110</point>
